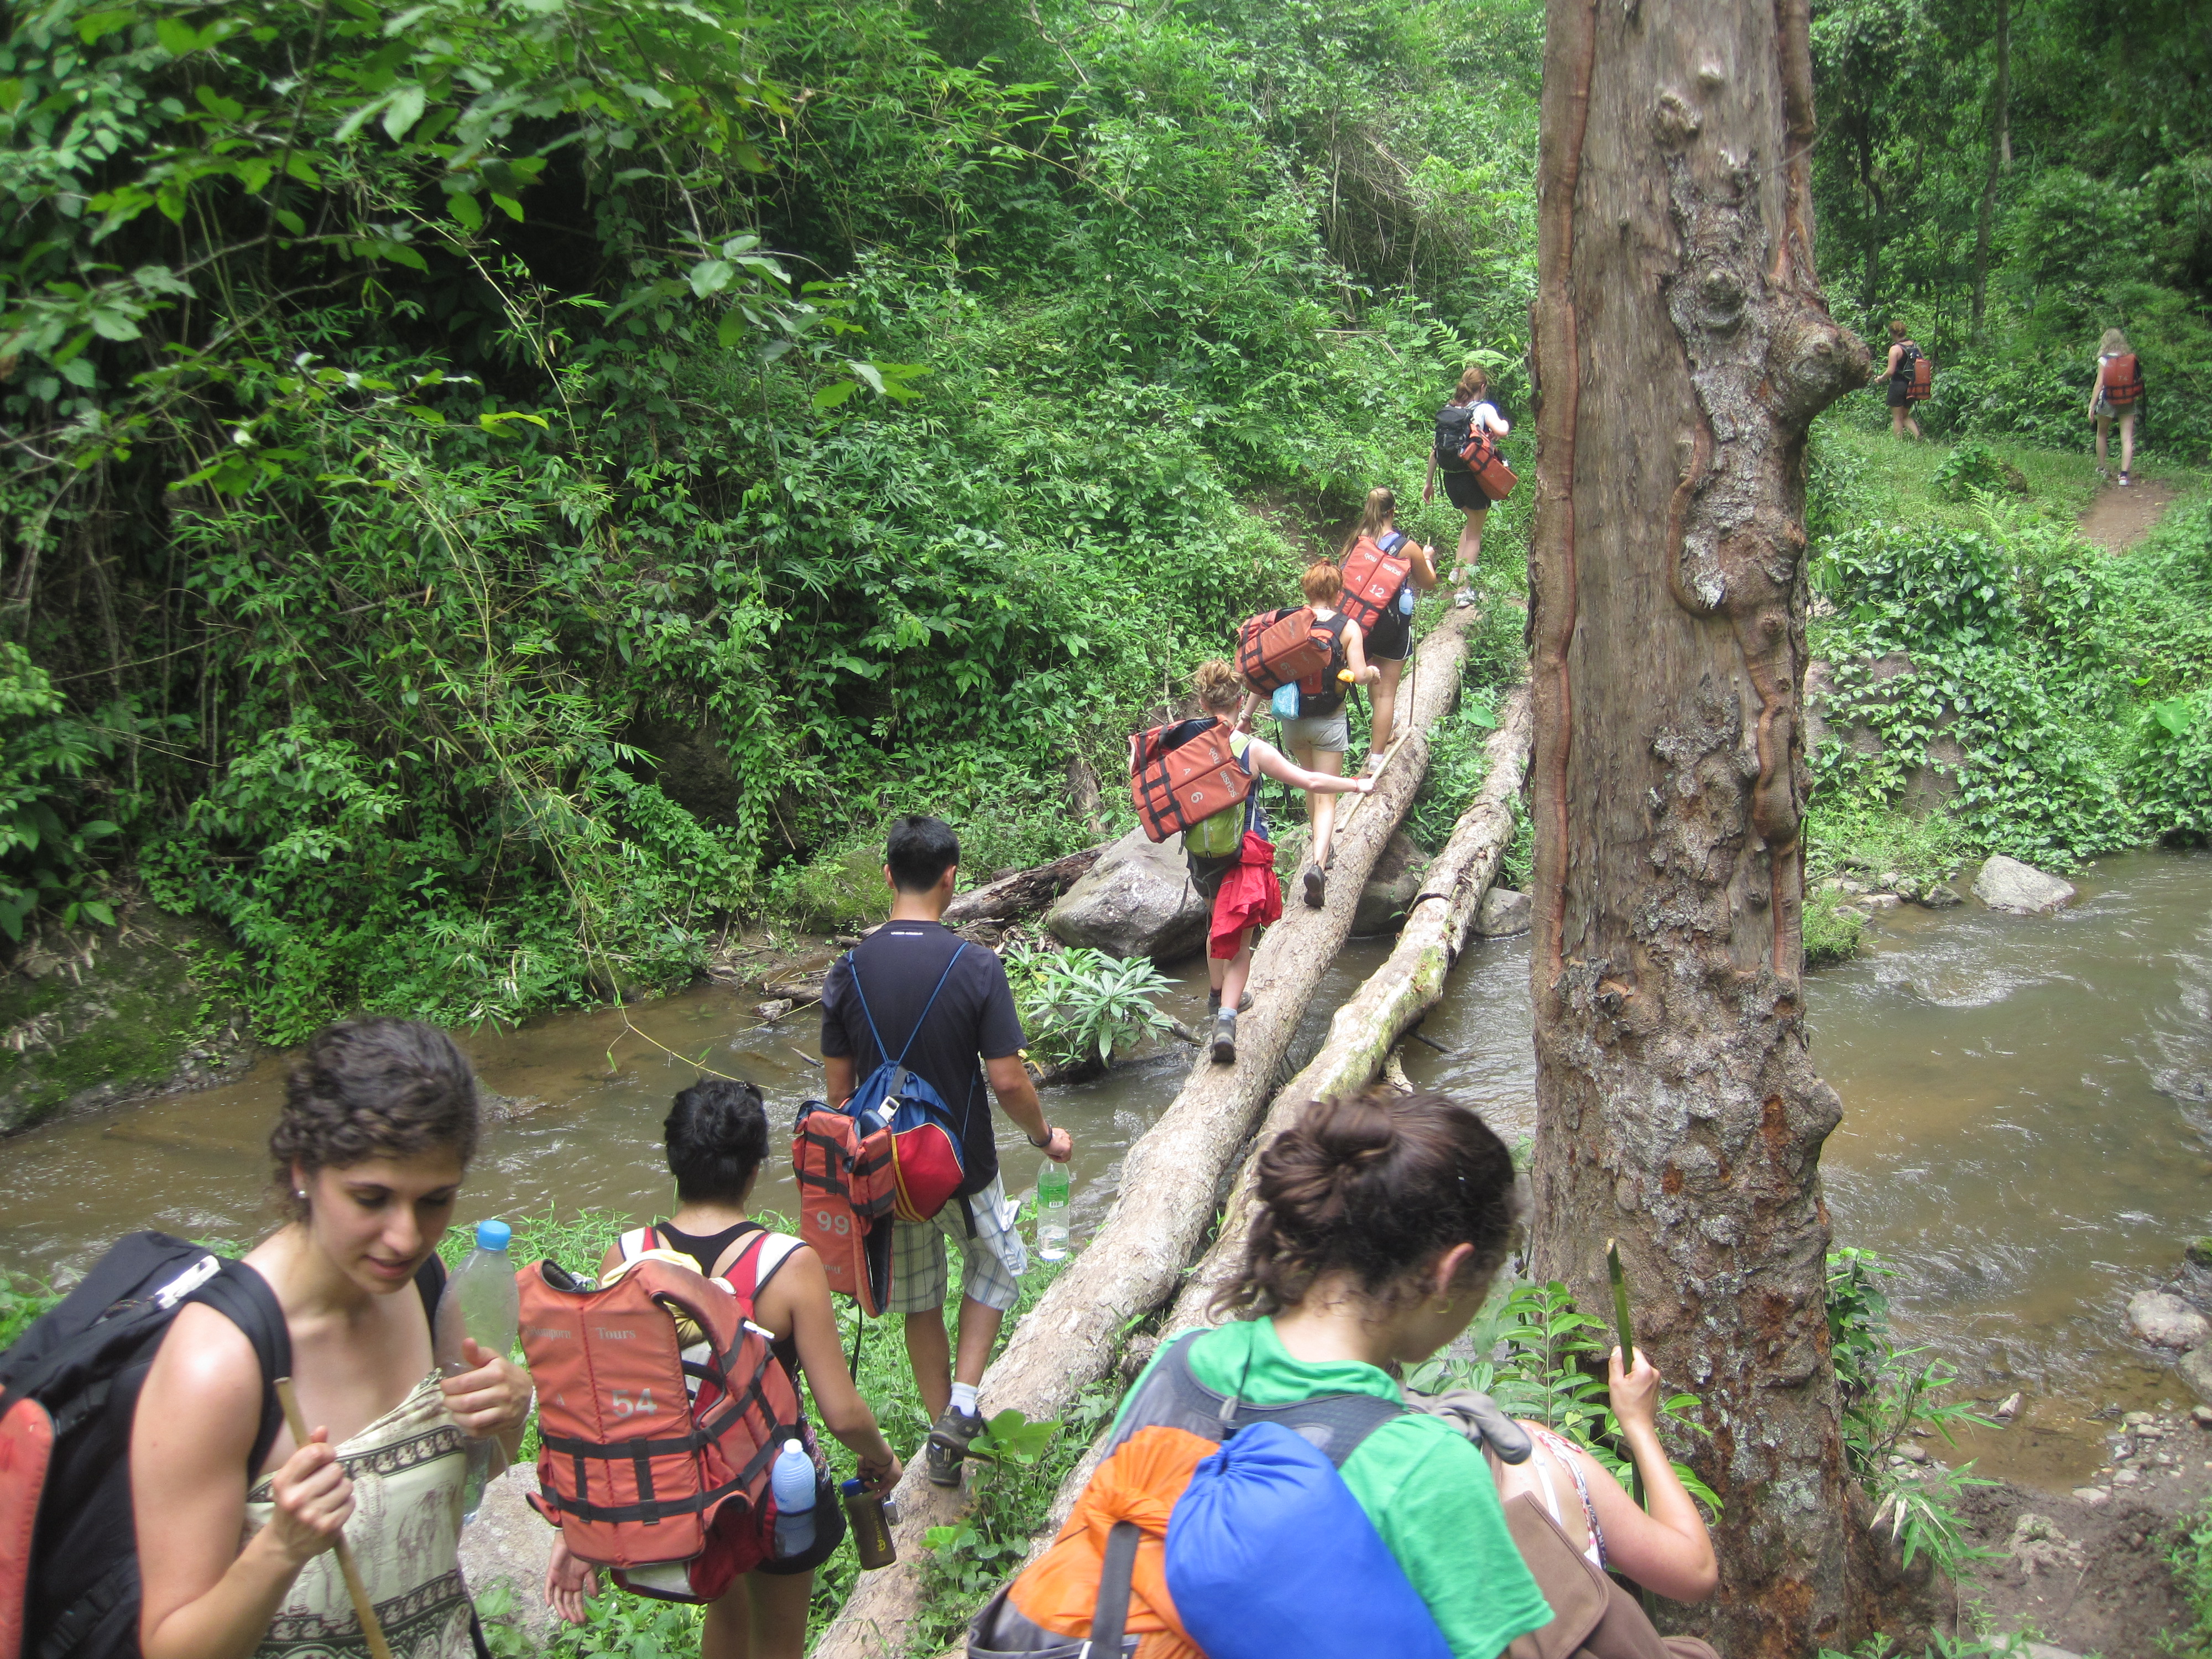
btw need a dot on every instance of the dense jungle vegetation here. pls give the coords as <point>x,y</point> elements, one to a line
<point>494,491</point>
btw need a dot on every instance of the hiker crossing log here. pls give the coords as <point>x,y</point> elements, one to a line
<point>1171,1176</point>
<point>1367,1026</point>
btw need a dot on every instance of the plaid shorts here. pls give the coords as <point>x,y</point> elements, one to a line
<point>990,1264</point>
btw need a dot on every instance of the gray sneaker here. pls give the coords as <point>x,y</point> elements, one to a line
<point>1213,1003</point>
<point>1224,1038</point>
<point>948,1444</point>
<point>1317,887</point>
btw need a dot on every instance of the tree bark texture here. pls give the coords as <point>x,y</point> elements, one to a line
<point>1363,1034</point>
<point>2000,159</point>
<point>1171,1177</point>
<point>1023,893</point>
<point>1681,347</point>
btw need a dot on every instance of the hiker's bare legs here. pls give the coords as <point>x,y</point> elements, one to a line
<point>1232,974</point>
<point>1217,974</point>
<point>1384,697</point>
<point>930,1353</point>
<point>762,1616</point>
<point>2127,440</point>
<point>2104,440</point>
<point>1470,540</point>
<point>1321,809</point>
<point>1901,421</point>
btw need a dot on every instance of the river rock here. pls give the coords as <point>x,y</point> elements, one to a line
<point>1137,900</point>
<point>1938,895</point>
<point>2007,885</point>
<point>2196,1369</point>
<point>509,1543</point>
<point>1391,889</point>
<point>1503,913</point>
<point>2164,1319</point>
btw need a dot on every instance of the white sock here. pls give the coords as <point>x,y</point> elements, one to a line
<point>963,1398</point>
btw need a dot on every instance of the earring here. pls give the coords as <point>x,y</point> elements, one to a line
<point>299,1193</point>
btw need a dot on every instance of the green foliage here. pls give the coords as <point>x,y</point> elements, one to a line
<point>1458,768</point>
<point>1940,1646</point>
<point>23,1300</point>
<point>1547,1363</point>
<point>2189,1553</point>
<point>1832,930</point>
<point>1081,1006</point>
<point>1973,466</point>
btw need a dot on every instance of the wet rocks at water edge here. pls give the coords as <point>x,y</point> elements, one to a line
<point>2021,889</point>
<point>1503,913</point>
<point>2196,1369</point>
<point>1137,900</point>
<point>2165,1321</point>
<point>1390,890</point>
<point>509,1544</point>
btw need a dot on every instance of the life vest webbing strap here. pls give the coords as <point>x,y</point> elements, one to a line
<point>645,1510</point>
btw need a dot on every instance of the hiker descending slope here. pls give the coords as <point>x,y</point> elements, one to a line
<point>1383,570</point>
<point>717,1140</point>
<point>1215,845</point>
<point>1334,1520</point>
<point>379,1125</point>
<point>915,1004</point>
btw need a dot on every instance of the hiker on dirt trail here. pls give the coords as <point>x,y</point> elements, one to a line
<point>717,1138</point>
<point>1468,411</point>
<point>1211,848</point>
<point>2116,393</point>
<point>1390,640</point>
<point>1319,733</point>
<point>1897,372</point>
<point>1666,1549</point>
<point>941,1006</point>
<point>379,1125</point>
<point>1382,1220</point>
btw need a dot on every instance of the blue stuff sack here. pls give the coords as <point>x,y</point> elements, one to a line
<point>1285,703</point>
<point>1240,1548</point>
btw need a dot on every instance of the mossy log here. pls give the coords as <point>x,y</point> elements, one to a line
<point>1022,893</point>
<point>1171,1177</point>
<point>1370,1024</point>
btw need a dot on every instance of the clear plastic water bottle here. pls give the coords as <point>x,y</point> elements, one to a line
<point>482,1301</point>
<point>792,1482</point>
<point>1052,1211</point>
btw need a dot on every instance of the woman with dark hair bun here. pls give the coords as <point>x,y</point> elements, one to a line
<point>379,1124</point>
<point>716,1133</point>
<point>1382,1220</point>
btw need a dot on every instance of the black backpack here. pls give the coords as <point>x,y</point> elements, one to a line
<point>1906,359</point>
<point>1455,431</point>
<point>80,1367</point>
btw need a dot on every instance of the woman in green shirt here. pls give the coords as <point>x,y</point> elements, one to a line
<point>1383,1218</point>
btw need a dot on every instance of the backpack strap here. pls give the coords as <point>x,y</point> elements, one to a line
<point>1117,1571</point>
<point>243,1296</point>
<point>854,957</point>
<point>637,1241</point>
<point>1171,1396</point>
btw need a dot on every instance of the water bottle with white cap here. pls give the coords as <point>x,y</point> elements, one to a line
<point>792,1482</point>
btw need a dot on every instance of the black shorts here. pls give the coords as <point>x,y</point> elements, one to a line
<point>828,1533</point>
<point>1900,393</point>
<point>1391,639</point>
<point>1465,491</point>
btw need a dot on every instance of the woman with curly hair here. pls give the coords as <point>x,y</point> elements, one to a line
<point>379,1124</point>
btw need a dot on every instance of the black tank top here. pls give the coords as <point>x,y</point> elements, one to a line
<point>708,1249</point>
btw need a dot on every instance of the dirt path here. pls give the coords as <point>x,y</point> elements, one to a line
<point>2119,519</point>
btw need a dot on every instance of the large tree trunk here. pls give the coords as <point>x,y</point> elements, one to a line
<point>1170,1178</point>
<point>1681,348</point>
<point>2000,158</point>
<point>1012,896</point>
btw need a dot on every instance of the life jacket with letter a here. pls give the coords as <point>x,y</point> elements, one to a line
<point>1188,1537</point>
<point>1183,773</point>
<point>1373,571</point>
<point>655,1445</point>
<point>2121,379</point>
<point>1277,647</point>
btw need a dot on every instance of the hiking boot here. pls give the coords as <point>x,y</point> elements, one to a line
<point>948,1444</point>
<point>1213,1002</point>
<point>1317,887</point>
<point>1224,1038</point>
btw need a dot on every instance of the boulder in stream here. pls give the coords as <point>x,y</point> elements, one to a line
<point>2196,1369</point>
<point>2163,1319</point>
<point>2007,885</point>
<point>1503,913</point>
<point>1391,889</point>
<point>509,1543</point>
<point>1137,900</point>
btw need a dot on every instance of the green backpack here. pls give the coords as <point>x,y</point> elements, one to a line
<point>1222,834</point>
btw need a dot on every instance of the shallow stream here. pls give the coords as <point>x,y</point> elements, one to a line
<point>2003,1137</point>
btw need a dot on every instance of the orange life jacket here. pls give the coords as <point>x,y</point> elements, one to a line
<point>1181,774</point>
<point>2122,379</point>
<point>634,1471</point>
<point>1277,647</point>
<point>847,1187</point>
<point>1487,462</point>
<point>1373,571</point>
<point>1921,387</point>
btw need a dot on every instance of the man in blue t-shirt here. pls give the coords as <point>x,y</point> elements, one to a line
<point>969,1033</point>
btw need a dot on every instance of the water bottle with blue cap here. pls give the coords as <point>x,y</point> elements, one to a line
<point>481,1304</point>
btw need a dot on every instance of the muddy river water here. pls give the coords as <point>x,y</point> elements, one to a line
<point>2004,1136</point>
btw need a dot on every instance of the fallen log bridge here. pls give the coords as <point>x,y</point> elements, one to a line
<point>1171,1177</point>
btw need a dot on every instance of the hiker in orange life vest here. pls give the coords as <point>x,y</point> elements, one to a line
<point>716,1135</point>
<point>2109,401</point>
<point>1461,488</point>
<point>379,1125</point>
<point>1389,642</point>
<point>1898,373</point>
<point>940,1005</point>
<point>1211,846</point>
<point>1319,731</point>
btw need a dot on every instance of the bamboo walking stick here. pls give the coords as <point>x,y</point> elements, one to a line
<point>378,1648</point>
<point>1627,1334</point>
